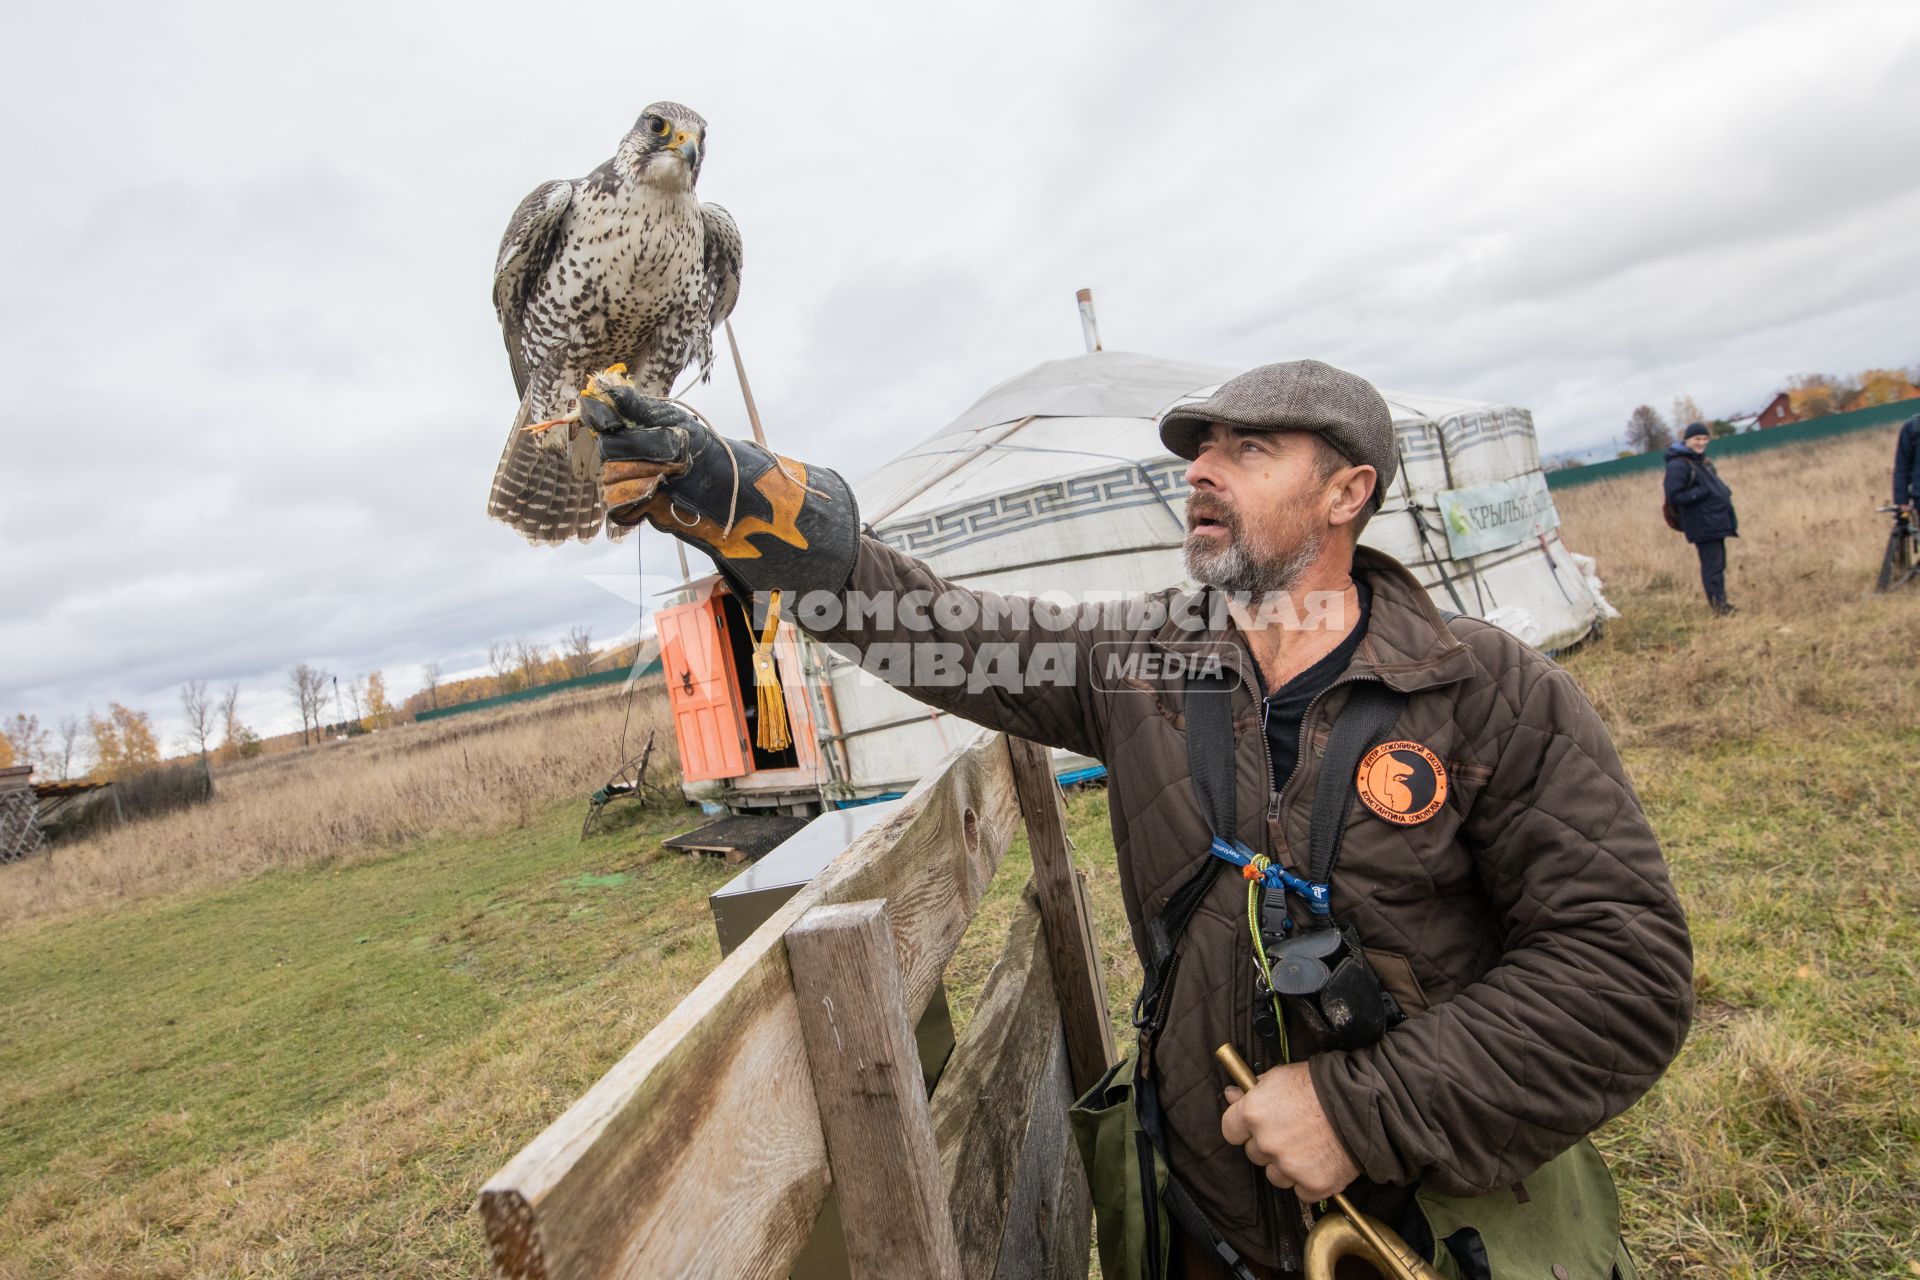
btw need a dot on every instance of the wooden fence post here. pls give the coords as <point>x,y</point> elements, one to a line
<point>1069,924</point>
<point>873,1102</point>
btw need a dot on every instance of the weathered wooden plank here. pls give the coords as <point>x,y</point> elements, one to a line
<point>1000,1115</point>
<point>1071,947</point>
<point>1073,1218</point>
<point>985,1098</point>
<point>873,1102</point>
<point>700,1153</point>
<point>1026,1242</point>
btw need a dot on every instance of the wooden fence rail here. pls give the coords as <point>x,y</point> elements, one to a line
<point>709,1149</point>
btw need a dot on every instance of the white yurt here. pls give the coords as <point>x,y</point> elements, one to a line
<point>1056,481</point>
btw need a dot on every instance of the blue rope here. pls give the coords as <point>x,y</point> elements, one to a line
<point>1275,877</point>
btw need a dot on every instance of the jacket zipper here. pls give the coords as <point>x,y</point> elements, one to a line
<point>1285,1232</point>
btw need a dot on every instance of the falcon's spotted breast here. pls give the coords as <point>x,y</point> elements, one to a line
<point>623,266</point>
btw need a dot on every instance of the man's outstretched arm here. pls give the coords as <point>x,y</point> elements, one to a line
<point>769,523</point>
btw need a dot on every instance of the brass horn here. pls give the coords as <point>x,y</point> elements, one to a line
<point>1347,1233</point>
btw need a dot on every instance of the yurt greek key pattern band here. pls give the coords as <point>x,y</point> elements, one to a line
<point>993,517</point>
<point>1127,486</point>
<point>1462,433</point>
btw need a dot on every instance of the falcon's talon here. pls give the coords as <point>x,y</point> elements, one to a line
<point>541,428</point>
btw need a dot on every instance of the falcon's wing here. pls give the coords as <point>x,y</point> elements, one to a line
<point>723,260</point>
<point>525,249</point>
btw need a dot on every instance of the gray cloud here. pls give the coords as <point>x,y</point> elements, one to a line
<point>256,388</point>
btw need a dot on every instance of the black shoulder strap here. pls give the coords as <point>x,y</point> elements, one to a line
<point>1209,713</point>
<point>1208,709</point>
<point>1370,712</point>
<point>1181,1206</point>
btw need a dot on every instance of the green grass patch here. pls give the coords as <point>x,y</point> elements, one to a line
<point>1785,1139</point>
<point>189,1031</point>
<point>309,1074</point>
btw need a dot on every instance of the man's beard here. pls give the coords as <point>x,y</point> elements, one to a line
<point>1239,567</point>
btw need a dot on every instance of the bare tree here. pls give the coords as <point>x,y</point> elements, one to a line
<point>230,717</point>
<point>297,686</point>
<point>1686,413</point>
<point>579,651</point>
<point>354,701</point>
<point>528,657</point>
<point>237,741</point>
<point>297,678</point>
<point>69,749</point>
<point>28,739</point>
<point>1647,431</point>
<point>500,662</point>
<point>430,682</point>
<point>199,711</point>
<point>309,688</point>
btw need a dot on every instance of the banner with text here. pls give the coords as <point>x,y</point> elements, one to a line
<point>1488,517</point>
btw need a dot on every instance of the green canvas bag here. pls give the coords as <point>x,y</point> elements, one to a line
<point>1567,1228</point>
<point>1126,1175</point>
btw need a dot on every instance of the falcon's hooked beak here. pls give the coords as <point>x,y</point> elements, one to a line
<point>688,146</point>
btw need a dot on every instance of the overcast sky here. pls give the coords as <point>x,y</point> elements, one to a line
<point>256,389</point>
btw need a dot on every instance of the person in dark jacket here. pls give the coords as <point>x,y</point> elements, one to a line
<point>1503,880</point>
<point>1705,504</point>
<point>1906,466</point>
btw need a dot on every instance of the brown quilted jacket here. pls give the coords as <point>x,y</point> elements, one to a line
<point>1528,927</point>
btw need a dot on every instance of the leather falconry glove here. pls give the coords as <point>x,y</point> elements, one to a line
<point>768,522</point>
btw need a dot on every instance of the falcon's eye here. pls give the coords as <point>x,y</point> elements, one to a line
<point>659,127</point>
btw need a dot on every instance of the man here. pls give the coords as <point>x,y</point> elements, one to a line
<point>1705,504</point>
<point>1906,466</point>
<point>1516,908</point>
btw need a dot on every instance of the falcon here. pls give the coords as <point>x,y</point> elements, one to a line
<point>622,267</point>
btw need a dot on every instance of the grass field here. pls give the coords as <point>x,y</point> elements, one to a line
<point>256,1051</point>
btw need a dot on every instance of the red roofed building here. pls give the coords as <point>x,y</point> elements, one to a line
<point>1779,410</point>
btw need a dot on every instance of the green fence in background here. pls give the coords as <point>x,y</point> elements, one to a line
<point>1746,442</point>
<point>614,676</point>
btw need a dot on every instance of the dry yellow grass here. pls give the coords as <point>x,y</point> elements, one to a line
<point>344,800</point>
<point>502,969</point>
<point>1813,648</point>
<point>1776,753</point>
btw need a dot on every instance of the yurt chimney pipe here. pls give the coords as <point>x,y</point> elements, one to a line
<point>1089,327</point>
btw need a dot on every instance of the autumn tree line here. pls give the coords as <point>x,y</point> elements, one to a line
<point>123,743</point>
<point>1809,395</point>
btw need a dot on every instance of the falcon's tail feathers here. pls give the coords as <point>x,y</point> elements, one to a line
<point>537,491</point>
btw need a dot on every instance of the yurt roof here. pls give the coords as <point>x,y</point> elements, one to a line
<point>1100,384</point>
<point>1085,409</point>
<point>1058,476</point>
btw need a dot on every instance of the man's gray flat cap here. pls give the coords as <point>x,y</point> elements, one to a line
<point>1298,395</point>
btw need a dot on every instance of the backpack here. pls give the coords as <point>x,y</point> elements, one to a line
<point>1670,512</point>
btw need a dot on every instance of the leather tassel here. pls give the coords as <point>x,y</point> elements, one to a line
<point>773,733</point>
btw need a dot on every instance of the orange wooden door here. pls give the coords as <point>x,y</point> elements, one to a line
<point>703,691</point>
